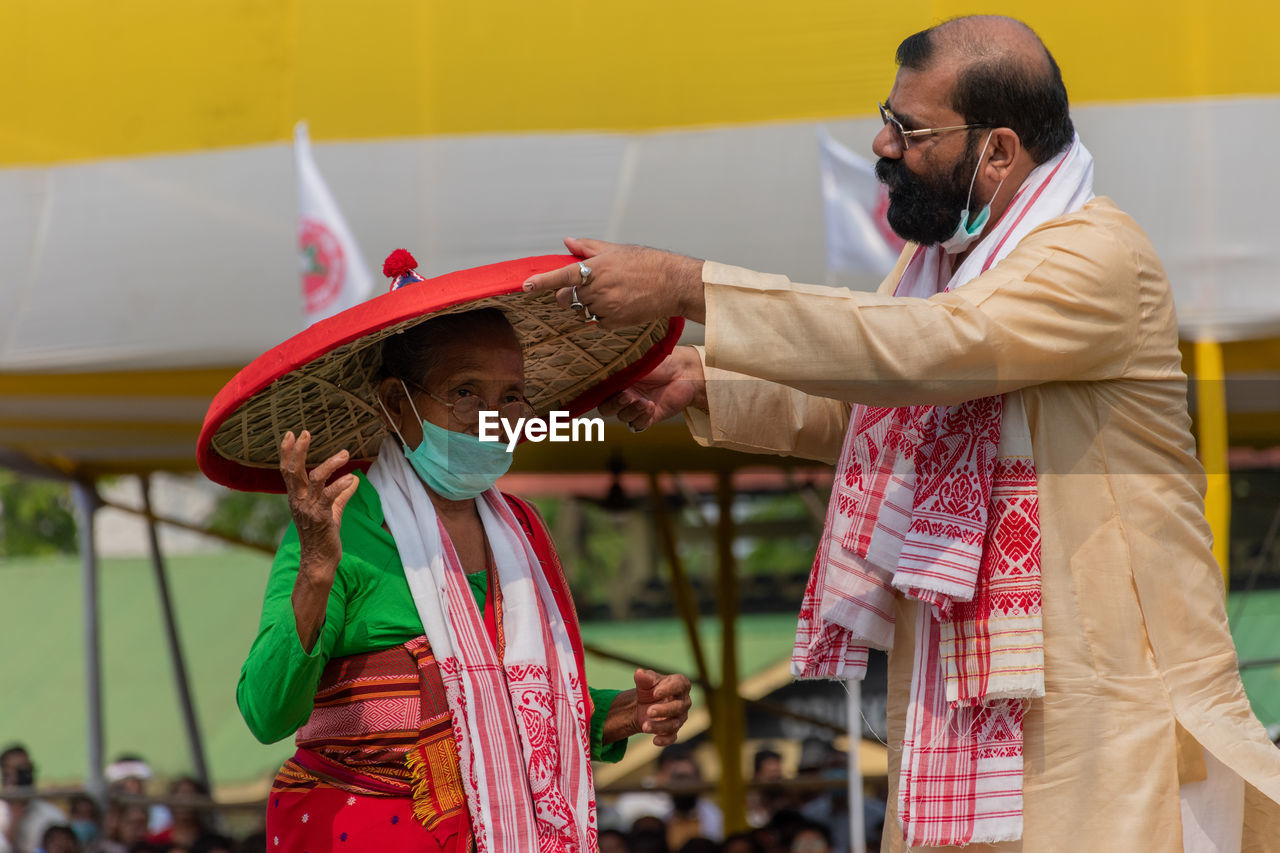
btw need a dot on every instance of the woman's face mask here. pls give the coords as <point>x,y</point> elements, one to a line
<point>455,465</point>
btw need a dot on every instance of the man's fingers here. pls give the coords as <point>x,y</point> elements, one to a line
<point>548,281</point>
<point>586,247</point>
<point>629,413</point>
<point>617,402</point>
<point>564,297</point>
<point>639,417</point>
<point>628,405</point>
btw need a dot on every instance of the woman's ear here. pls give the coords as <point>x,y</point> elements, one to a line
<point>391,394</point>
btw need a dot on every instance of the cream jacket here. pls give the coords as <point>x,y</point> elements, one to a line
<point>1140,669</point>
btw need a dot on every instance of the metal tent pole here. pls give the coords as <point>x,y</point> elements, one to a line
<point>87,503</point>
<point>857,829</point>
<point>730,722</point>
<point>175,647</point>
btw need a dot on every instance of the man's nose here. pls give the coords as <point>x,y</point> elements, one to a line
<point>886,145</point>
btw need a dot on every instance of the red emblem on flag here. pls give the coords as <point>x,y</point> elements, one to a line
<point>323,265</point>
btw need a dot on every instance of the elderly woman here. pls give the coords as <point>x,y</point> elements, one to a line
<point>417,632</point>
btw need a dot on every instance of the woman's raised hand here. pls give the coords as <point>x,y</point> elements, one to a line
<point>316,504</point>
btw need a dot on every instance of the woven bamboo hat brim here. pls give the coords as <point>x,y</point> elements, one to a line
<point>323,378</point>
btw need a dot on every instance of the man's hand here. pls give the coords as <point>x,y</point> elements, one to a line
<point>628,286</point>
<point>675,384</point>
<point>659,705</point>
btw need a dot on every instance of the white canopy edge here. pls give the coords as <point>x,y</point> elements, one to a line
<point>189,260</point>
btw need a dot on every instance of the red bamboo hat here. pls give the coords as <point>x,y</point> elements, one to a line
<point>323,378</point>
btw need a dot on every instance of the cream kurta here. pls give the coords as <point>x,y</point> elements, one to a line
<point>1080,317</point>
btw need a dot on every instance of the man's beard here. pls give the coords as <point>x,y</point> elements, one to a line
<point>925,209</point>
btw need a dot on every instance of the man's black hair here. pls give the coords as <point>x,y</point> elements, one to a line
<point>763,755</point>
<point>997,88</point>
<point>58,829</point>
<point>674,753</point>
<point>11,750</point>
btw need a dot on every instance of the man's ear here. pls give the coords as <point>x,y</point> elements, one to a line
<point>1005,146</point>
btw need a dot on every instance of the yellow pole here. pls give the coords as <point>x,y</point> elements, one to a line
<point>730,721</point>
<point>686,601</point>
<point>1211,417</point>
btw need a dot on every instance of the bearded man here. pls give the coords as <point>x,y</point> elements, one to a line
<point>1017,513</point>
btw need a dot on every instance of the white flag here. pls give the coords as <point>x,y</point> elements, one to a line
<point>858,236</point>
<point>334,275</point>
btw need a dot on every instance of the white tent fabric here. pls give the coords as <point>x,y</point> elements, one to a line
<point>185,263</point>
<point>189,260</point>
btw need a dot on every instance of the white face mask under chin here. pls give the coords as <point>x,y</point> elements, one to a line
<point>966,233</point>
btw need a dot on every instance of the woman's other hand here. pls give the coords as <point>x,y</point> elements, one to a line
<point>662,704</point>
<point>316,506</point>
<point>659,705</point>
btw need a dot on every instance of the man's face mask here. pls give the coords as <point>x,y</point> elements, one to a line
<point>967,232</point>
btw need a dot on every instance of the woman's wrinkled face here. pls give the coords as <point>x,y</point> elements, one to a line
<point>490,369</point>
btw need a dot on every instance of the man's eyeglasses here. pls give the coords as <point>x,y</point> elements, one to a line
<point>901,134</point>
<point>467,410</point>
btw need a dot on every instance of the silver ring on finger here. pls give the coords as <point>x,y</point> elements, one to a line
<point>576,305</point>
<point>585,272</point>
<point>591,315</point>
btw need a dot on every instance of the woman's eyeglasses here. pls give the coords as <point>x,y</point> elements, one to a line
<point>467,410</point>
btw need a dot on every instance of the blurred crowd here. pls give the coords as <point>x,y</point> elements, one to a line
<point>77,824</point>
<point>804,812</point>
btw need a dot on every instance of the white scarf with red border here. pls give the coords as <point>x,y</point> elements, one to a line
<point>519,723</point>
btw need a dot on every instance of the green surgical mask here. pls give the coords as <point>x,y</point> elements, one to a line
<point>455,465</point>
<point>967,232</point>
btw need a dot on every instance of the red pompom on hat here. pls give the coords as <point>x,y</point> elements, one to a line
<point>398,263</point>
<point>399,267</point>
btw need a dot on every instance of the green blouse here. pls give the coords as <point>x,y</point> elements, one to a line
<point>370,608</point>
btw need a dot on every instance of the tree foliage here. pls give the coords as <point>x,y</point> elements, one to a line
<point>252,516</point>
<point>36,516</point>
